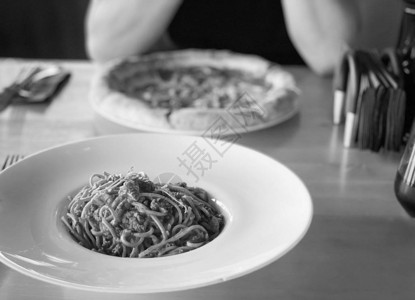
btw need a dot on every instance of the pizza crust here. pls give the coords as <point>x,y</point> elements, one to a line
<point>234,118</point>
<point>278,103</point>
<point>116,106</point>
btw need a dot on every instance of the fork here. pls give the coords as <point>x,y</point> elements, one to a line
<point>10,160</point>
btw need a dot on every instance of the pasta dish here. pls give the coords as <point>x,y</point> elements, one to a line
<point>132,216</point>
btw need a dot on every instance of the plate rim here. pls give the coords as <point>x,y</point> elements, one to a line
<point>238,130</point>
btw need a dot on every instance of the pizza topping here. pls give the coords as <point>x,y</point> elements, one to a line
<point>181,87</point>
<point>190,90</point>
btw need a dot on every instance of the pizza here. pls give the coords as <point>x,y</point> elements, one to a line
<point>191,90</point>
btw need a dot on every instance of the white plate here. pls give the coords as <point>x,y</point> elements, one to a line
<point>125,125</point>
<point>267,207</point>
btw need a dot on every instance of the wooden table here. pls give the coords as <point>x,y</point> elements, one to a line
<point>361,244</point>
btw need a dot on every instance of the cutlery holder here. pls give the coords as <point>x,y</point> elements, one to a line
<point>370,100</point>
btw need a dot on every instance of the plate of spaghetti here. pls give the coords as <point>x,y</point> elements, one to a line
<point>132,216</point>
<point>135,213</point>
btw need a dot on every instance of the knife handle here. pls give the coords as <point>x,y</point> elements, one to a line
<point>7,96</point>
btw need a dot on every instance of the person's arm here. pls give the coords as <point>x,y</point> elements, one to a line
<point>117,29</point>
<point>322,30</point>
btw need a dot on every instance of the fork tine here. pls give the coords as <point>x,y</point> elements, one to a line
<point>20,157</point>
<point>6,162</point>
<point>15,158</point>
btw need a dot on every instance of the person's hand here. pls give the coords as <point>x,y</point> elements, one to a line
<point>322,30</point>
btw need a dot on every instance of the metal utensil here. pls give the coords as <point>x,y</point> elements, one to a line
<point>10,92</point>
<point>44,84</point>
<point>10,160</point>
<point>35,85</point>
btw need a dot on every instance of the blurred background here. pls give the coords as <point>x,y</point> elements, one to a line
<point>42,28</point>
<point>55,28</point>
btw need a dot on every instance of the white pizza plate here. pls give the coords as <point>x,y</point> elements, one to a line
<point>267,213</point>
<point>126,117</point>
<point>106,123</point>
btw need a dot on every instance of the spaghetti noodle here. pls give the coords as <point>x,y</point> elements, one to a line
<point>131,216</point>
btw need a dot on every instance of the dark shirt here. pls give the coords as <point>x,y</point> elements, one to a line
<point>244,26</point>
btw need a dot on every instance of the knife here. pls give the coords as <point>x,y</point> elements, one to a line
<point>7,96</point>
<point>346,85</point>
